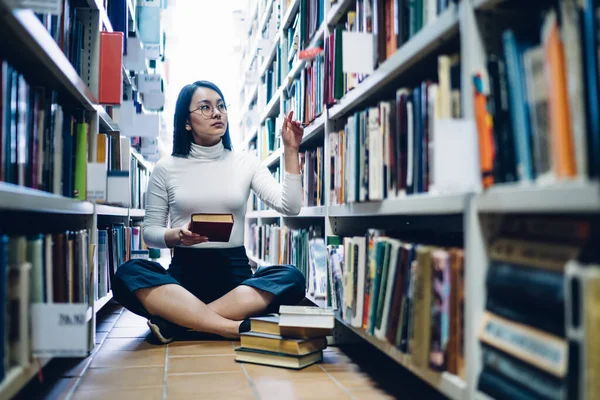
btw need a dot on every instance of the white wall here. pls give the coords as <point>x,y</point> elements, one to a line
<point>200,46</point>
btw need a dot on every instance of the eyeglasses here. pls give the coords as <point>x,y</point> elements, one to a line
<point>208,109</point>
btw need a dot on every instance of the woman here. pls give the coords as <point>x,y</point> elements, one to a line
<point>209,286</point>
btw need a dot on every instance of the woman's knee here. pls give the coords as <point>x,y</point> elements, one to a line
<point>296,281</point>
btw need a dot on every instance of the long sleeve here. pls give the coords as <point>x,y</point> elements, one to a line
<point>285,198</point>
<point>157,208</point>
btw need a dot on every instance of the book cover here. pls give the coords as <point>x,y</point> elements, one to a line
<point>217,227</point>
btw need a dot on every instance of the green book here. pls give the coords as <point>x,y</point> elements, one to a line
<point>81,159</point>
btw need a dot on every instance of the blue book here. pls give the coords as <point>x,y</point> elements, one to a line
<point>3,294</point>
<point>117,13</point>
<point>592,85</point>
<point>513,51</point>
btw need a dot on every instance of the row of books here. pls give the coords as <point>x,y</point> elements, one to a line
<point>140,176</point>
<point>537,332</point>
<point>388,150</point>
<point>48,147</point>
<point>269,139</point>
<point>42,144</point>
<point>257,204</point>
<point>116,244</point>
<point>298,35</point>
<point>391,22</point>
<point>312,168</point>
<point>410,295</point>
<point>304,95</point>
<point>536,101</point>
<point>38,268</point>
<point>303,248</point>
<point>67,31</point>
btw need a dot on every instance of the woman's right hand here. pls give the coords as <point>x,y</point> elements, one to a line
<point>184,236</point>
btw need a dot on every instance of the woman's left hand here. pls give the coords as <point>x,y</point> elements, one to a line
<point>291,133</point>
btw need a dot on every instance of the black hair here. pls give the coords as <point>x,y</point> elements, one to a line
<point>182,138</point>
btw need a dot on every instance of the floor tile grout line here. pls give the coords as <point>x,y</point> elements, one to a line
<point>250,381</point>
<point>337,382</point>
<point>85,369</point>
<point>204,373</point>
<point>164,396</point>
<point>203,355</point>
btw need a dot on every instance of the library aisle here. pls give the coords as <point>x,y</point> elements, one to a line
<point>127,365</point>
<point>445,215</point>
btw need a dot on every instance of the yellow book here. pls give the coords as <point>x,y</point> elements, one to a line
<point>278,344</point>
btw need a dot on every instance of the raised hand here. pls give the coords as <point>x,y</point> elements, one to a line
<point>291,133</point>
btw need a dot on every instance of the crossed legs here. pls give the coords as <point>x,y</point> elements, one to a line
<point>222,317</point>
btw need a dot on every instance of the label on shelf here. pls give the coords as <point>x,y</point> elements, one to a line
<point>60,330</point>
<point>456,163</point>
<point>152,51</point>
<point>148,83</point>
<point>96,181</point>
<point>358,52</point>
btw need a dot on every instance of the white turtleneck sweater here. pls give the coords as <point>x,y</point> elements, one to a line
<point>213,180</point>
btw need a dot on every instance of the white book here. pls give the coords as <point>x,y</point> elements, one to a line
<point>306,317</point>
<point>361,243</point>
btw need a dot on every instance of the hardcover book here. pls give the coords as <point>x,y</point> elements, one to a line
<point>217,227</point>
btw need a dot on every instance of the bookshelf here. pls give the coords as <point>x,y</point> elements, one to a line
<point>473,217</point>
<point>50,203</point>
<point>425,42</point>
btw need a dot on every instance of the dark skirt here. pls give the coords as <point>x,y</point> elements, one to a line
<point>208,274</point>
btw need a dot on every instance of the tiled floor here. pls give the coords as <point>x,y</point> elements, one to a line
<point>126,365</point>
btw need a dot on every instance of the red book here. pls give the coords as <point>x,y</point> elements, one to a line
<point>110,82</point>
<point>217,227</point>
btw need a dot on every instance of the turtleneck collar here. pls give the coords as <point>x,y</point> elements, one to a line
<point>207,152</point>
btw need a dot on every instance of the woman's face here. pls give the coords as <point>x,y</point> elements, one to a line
<point>208,117</point>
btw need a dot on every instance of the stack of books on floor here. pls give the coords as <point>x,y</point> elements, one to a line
<point>294,338</point>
